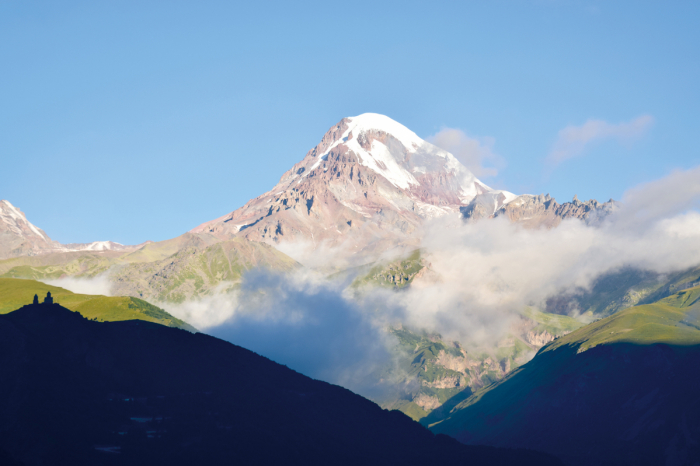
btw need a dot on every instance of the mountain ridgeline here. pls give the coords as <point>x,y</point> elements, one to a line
<point>366,187</point>
<point>538,211</point>
<point>18,237</point>
<point>76,391</point>
<point>365,190</point>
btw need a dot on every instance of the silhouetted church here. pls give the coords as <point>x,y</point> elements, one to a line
<point>47,300</point>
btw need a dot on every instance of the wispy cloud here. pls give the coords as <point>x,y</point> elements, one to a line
<point>475,153</point>
<point>573,140</point>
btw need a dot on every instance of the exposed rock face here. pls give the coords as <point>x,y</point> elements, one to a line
<point>486,205</point>
<point>537,211</point>
<point>455,363</point>
<point>539,339</point>
<point>446,382</point>
<point>427,402</point>
<point>368,185</point>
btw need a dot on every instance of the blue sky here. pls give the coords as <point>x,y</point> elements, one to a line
<point>132,121</point>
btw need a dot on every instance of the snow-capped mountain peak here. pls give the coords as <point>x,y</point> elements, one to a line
<point>397,153</point>
<point>369,173</point>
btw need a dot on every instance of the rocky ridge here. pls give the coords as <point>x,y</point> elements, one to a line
<point>537,211</point>
<point>19,237</point>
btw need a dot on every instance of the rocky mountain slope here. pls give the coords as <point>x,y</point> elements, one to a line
<point>81,392</point>
<point>618,391</point>
<point>18,237</point>
<point>538,211</point>
<point>367,186</point>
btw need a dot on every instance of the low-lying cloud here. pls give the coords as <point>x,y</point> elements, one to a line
<point>573,140</point>
<point>99,285</point>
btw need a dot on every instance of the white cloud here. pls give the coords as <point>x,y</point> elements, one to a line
<point>475,153</point>
<point>99,285</point>
<point>572,140</point>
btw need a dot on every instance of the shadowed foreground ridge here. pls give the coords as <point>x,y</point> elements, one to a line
<point>621,391</point>
<point>77,391</point>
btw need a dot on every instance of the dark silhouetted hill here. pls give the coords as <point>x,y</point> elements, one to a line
<point>76,391</point>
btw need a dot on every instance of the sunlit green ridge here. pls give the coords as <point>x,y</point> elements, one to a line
<point>672,320</point>
<point>15,293</point>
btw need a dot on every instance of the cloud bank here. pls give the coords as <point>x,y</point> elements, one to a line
<point>573,140</point>
<point>479,277</point>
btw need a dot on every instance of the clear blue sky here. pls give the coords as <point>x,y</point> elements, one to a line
<point>132,121</point>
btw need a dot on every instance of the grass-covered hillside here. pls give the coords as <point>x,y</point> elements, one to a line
<point>674,320</point>
<point>15,293</point>
<point>56,265</point>
<point>194,272</point>
<point>621,390</point>
<point>395,274</point>
<point>622,289</point>
<point>189,266</point>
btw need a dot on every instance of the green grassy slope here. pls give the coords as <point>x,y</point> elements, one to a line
<point>396,274</point>
<point>83,263</point>
<point>555,324</point>
<point>92,263</point>
<point>189,266</point>
<point>674,283</point>
<point>672,320</point>
<point>622,289</point>
<point>15,293</point>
